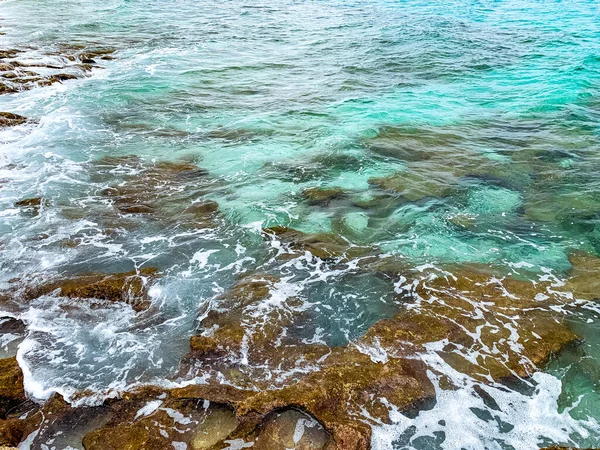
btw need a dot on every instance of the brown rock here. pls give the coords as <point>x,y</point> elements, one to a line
<point>5,66</point>
<point>416,185</point>
<point>102,53</point>
<point>341,383</point>
<point>291,429</point>
<point>505,314</point>
<point>347,384</point>
<point>584,277</point>
<point>322,196</point>
<point>8,53</point>
<point>62,77</point>
<point>174,420</point>
<point>321,245</point>
<point>129,287</point>
<point>31,206</point>
<point>231,322</point>
<point>29,202</point>
<point>12,392</point>
<point>5,89</point>
<point>518,333</point>
<point>10,119</point>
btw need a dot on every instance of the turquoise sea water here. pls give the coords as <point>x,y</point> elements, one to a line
<point>487,112</point>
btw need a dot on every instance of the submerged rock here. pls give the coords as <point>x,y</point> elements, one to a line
<point>11,120</point>
<point>463,221</point>
<point>415,186</point>
<point>517,331</point>
<point>336,386</point>
<point>489,328</point>
<point>167,191</point>
<point>584,277</point>
<point>413,144</point>
<point>18,79</point>
<point>322,196</point>
<point>31,206</point>
<point>242,320</point>
<point>12,333</point>
<point>321,245</point>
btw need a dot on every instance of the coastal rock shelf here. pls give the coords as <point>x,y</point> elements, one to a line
<point>495,330</point>
<point>327,225</point>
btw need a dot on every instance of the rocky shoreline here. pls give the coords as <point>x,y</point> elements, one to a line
<point>262,386</point>
<point>16,76</point>
<point>493,328</point>
<point>345,391</point>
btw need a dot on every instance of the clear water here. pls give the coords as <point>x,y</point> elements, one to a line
<point>500,99</point>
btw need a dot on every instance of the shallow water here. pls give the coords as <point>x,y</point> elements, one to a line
<point>486,112</point>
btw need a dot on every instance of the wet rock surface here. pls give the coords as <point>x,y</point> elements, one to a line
<point>322,196</point>
<point>321,245</point>
<point>157,424</point>
<point>12,393</point>
<point>31,206</point>
<point>467,304</point>
<point>171,193</point>
<point>12,332</point>
<point>11,119</point>
<point>18,76</point>
<point>492,329</point>
<point>345,389</point>
<point>128,287</point>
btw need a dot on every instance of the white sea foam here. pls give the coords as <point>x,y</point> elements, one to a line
<point>148,409</point>
<point>462,419</point>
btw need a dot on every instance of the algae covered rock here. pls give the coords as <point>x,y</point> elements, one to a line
<point>322,196</point>
<point>158,424</point>
<point>12,392</point>
<point>348,384</point>
<point>584,277</point>
<point>492,329</point>
<point>11,120</point>
<point>291,429</point>
<point>242,319</point>
<point>321,245</point>
<point>167,191</point>
<point>415,186</point>
<point>129,287</point>
<point>517,331</point>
